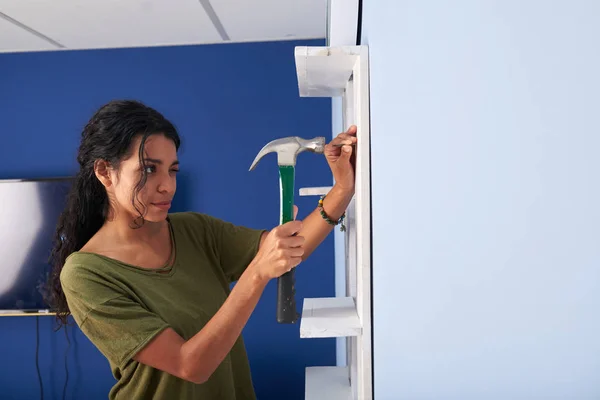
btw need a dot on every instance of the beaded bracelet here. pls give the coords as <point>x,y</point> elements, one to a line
<point>329,220</point>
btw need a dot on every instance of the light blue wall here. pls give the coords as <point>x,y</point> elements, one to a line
<point>486,205</point>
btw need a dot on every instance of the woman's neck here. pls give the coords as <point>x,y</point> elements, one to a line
<point>124,228</point>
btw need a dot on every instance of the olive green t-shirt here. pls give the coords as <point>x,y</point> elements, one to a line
<point>121,307</point>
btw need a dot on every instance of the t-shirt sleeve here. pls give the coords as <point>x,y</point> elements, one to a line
<point>236,245</point>
<point>114,322</point>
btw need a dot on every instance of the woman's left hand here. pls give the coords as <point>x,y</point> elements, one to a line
<point>341,157</point>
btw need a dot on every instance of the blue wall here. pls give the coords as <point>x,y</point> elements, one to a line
<point>227,101</point>
<point>486,203</point>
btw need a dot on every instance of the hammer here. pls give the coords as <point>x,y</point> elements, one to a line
<point>287,150</point>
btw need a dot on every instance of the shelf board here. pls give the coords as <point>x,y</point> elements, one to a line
<point>324,71</point>
<point>327,383</point>
<point>315,191</point>
<point>329,317</point>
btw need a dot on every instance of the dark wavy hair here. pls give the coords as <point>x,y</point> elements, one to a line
<point>107,136</point>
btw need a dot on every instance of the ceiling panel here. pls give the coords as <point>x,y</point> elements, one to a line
<point>85,24</point>
<point>259,20</point>
<point>14,38</point>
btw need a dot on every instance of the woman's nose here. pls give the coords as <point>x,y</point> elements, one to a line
<point>167,185</point>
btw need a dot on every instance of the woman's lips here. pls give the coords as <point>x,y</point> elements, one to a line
<point>163,205</point>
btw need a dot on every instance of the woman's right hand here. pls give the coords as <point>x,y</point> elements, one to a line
<point>280,251</point>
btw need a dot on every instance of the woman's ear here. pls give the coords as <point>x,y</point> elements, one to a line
<point>103,172</point>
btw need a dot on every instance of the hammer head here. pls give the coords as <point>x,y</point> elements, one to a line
<point>288,148</point>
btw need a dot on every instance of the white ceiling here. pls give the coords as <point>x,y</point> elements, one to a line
<point>41,25</point>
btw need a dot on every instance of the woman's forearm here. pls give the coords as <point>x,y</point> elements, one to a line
<point>314,228</point>
<point>202,354</point>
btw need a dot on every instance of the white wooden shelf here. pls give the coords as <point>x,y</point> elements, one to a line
<point>329,317</point>
<point>324,71</point>
<point>315,191</point>
<point>327,383</point>
<point>343,72</point>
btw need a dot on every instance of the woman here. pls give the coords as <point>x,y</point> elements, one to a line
<point>151,289</point>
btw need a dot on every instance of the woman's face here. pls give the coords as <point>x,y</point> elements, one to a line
<point>161,165</point>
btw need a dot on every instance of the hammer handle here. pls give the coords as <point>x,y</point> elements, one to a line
<point>286,292</point>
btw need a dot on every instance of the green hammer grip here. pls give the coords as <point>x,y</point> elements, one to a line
<point>286,292</point>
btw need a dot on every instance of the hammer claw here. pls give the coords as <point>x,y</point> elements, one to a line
<point>288,148</point>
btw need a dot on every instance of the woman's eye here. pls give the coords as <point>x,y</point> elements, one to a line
<point>149,169</point>
<point>174,171</point>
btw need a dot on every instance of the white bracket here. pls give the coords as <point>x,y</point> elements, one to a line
<point>329,317</point>
<point>325,71</point>
<point>315,191</point>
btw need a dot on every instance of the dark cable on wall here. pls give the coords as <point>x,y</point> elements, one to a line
<point>359,22</point>
<point>37,355</point>
<point>66,364</point>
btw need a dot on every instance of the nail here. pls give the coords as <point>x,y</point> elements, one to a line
<point>343,144</point>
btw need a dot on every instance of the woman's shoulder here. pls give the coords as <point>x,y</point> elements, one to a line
<point>94,278</point>
<point>186,217</point>
<point>196,221</point>
<point>79,266</point>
